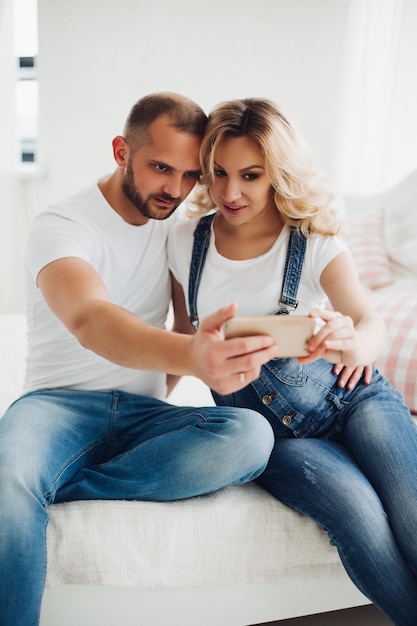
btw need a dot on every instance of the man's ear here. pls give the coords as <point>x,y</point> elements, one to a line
<point>120,151</point>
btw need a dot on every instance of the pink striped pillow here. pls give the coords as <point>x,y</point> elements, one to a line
<point>365,238</point>
<point>399,361</point>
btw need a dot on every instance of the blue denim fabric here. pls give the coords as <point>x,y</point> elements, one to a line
<point>348,460</point>
<point>202,236</point>
<point>63,445</point>
<point>297,244</point>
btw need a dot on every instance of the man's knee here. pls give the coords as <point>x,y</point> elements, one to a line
<point>251,440</point>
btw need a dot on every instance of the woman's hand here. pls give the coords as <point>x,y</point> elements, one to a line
<point>337,341</point>
<point>350,376</point>
<point>353,334</point>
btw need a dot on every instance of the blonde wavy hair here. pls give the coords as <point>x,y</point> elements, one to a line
<point>302,196</point>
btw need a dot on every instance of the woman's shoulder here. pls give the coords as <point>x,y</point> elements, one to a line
<point>318,241</point>
<point>321,250</point>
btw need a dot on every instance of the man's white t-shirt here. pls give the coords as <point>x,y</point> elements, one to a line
<point>255,284</point>
<point>132,262</point>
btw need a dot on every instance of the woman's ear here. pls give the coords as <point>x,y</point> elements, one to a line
<point>120,151</point>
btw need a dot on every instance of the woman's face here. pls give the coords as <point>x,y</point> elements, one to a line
<point>241,188</point>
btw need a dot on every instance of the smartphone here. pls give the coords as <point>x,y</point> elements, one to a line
<point>290,332</point>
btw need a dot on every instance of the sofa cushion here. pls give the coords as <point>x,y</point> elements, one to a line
<point>235,536</point>
<point>13,355</point>
<point>398,362</point>
<point>366,239</point>
<point>401,238</point>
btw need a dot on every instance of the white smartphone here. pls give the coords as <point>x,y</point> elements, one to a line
<point>290,332</point>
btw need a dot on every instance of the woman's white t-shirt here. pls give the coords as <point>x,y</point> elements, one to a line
<point>132,262</point>
<point>255,284</point>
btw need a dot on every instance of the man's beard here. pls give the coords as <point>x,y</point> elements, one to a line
<point>135,197</point>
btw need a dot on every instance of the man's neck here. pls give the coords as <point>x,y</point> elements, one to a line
<point>111,188</point>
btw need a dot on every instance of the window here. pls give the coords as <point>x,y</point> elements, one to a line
<point>27,94</point>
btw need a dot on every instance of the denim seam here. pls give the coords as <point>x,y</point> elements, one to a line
<point>145,443</point>
<point>68,464</point>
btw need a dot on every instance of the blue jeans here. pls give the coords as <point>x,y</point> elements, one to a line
<point>62,445</point>
<point>348,460</point>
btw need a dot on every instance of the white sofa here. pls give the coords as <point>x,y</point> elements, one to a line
<point>237,557</point>
<point>382,233</point>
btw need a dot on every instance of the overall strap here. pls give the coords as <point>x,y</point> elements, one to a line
<point>292,272</point>
<point>202,235</point>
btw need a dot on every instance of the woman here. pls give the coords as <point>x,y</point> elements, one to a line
<point>344,454</point>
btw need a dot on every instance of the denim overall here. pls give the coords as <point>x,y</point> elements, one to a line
<point>298,400</point>
<point>346,459</point>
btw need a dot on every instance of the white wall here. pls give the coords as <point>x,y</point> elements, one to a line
<point>97,57</point>
<point>11,209</point>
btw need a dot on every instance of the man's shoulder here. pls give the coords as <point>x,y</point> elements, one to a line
<point>69,206</point>
<point>88,196</point>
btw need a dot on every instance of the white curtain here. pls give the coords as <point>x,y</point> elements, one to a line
<point>370,65</point>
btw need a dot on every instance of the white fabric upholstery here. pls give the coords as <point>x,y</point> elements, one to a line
<point>237,535</point>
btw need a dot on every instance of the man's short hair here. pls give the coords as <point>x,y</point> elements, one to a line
<point>184,115</point>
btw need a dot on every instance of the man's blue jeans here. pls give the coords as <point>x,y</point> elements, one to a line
<point>348,460</point>
<point>66,445</point>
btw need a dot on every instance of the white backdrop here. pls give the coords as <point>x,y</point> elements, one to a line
<point>97,57</point>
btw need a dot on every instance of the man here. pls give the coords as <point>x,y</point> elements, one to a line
<point>93,422</point>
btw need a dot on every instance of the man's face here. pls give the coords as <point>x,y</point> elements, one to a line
<point>160,175</point>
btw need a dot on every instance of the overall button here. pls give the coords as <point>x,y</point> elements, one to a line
<point>286,420</point>
<point>266,399</point>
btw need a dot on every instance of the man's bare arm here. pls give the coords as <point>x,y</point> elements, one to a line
<point>78,297</point>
